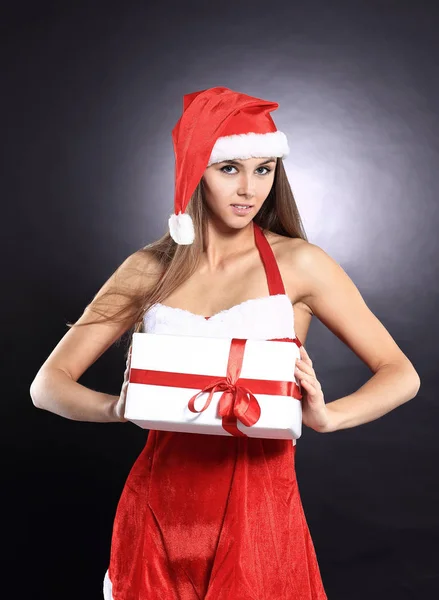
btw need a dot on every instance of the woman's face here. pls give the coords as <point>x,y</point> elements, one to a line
<point>240,181</point>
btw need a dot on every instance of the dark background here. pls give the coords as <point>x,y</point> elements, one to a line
<point>90,94</point>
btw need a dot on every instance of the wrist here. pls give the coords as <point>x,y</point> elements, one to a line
<point>332,422</point>
<point>115,410</point>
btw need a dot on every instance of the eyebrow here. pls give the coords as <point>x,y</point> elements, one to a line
<point>237,162</point>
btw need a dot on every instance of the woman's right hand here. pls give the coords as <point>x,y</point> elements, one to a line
<point>119,407</point>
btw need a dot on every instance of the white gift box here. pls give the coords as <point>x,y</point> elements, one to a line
<point>256,393</point>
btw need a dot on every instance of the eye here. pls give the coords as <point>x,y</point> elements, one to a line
<point>266,168</point>
<point>227,167</point>
<point>232,167</point>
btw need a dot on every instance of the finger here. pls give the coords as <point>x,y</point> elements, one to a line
<point>308,385</point>
<point>306,368</point>
<point>302,375</point>
<point>309,378</point>
<point>303,366</point>
<point>305,356</point>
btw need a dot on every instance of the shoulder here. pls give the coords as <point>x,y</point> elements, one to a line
<point>138,272</point>
<point>297,252</point>
<point>309,268</point>
<point>138,266</point>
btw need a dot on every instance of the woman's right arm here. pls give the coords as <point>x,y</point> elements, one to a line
<point>55,387</point>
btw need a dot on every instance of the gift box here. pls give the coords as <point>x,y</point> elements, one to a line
<point>211,385</point>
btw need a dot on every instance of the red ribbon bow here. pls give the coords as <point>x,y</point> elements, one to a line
<point>236,402</point>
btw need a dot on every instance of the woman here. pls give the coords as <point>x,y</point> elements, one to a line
<point>220,517</point>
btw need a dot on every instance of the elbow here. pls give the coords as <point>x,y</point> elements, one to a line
<point>413,379</point>
<point>416,384</point>
<point>36,394</point>
<point>411,376</point>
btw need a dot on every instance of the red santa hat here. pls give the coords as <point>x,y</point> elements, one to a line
<point>217,124</point>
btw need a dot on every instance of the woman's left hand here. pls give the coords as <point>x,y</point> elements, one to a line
<point>315,413</point>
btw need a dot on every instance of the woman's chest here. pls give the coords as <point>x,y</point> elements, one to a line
<point>243,302</point>
<point>266,317</point>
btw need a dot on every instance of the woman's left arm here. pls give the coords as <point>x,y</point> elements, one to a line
<point>337,303</point>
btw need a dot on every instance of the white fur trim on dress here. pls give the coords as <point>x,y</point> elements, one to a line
<point>181,228</point>
<point>108,588</point>
<point>248,145</point>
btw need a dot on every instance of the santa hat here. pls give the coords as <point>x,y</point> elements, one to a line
<point>217,124</point>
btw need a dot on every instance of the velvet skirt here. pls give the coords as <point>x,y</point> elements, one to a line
<point>214,518</point>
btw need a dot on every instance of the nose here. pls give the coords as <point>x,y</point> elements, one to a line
<point>246,186</point>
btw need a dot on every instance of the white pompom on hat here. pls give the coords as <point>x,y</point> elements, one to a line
<point>217,124</point>
<point>181,228</point>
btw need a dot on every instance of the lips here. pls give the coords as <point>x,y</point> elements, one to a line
<point>240,210</point>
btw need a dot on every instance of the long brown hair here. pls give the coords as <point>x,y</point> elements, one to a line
<point>174,263</point>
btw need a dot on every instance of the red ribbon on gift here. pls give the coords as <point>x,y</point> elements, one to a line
<point>237,400</point>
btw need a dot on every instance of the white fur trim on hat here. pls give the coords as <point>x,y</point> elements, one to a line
<point>181,228</point>
<point>248,145</point>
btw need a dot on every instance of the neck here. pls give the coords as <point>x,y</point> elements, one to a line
<point>223,244</point>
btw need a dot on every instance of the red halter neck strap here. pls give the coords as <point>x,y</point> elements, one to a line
<point>274,278</point>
